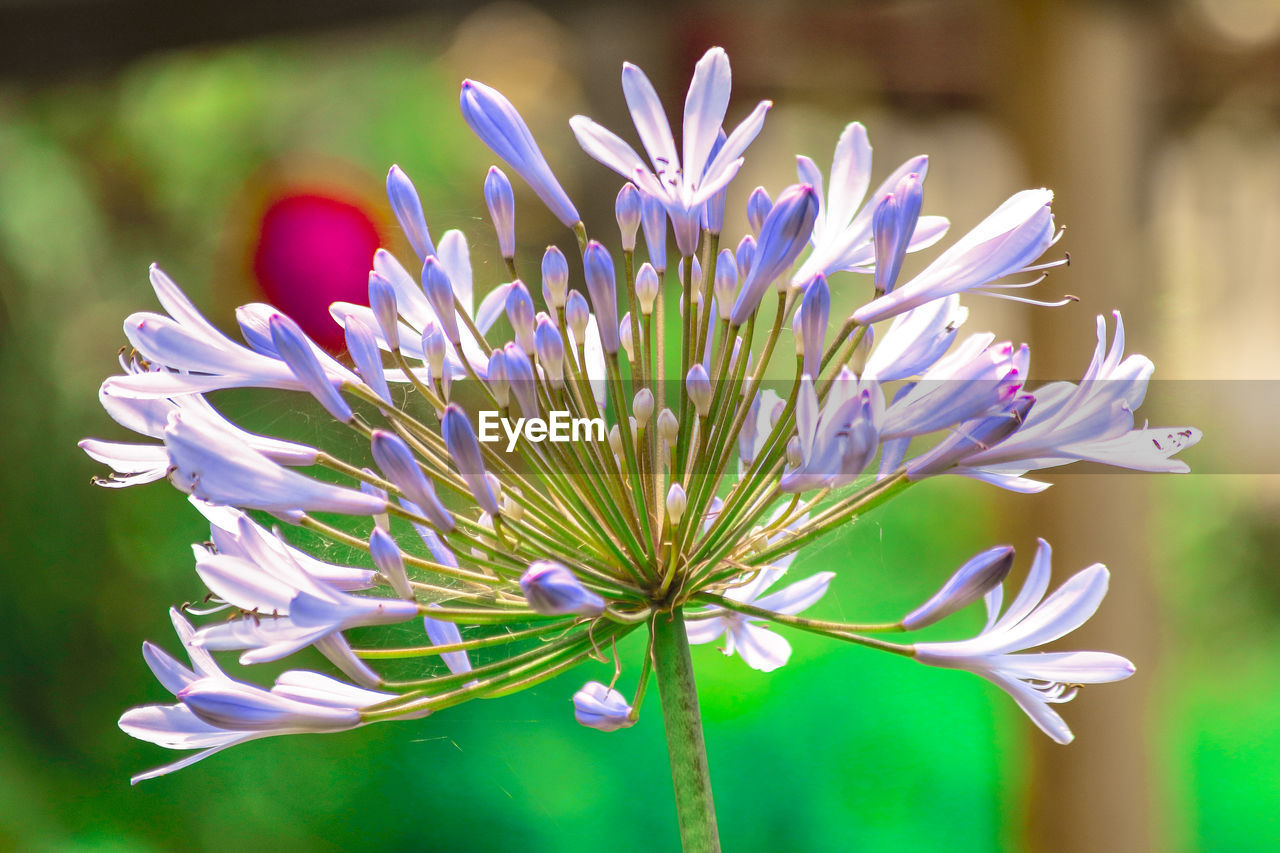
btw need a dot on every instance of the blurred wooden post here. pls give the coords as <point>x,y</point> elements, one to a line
<point>1081,84</point>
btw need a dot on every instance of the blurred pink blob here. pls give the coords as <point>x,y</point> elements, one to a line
<point>312,250</point>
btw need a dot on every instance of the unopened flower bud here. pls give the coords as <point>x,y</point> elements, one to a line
<point>627,211</point>
<point>555,277</point>
<point>512,508</point>
<point>408,210</point>
<point>434,347</point>
<point>698,386</point>
<point>811,324</point>
<point>625,338</point>
<point>382,299</point>
<point>696,279</point>
<point>893,225</point>
<point>550,347</point>
<point>495,120</point>
<point>502,210</point>
<point>725,285</point>
<point>599,707</point>
<point>602,287</point>
<point>971,581</point>
<point>794,456</point>
<point>647,284</point>
<point>439,290</point>
<point>398,465</point>
<point>520,379</point>
<point>668,427</point>
<point>553,590</point>
<point>677,502</point>
<point>615,440</point>
<point>497,377</point>
<point>745,254</point>
<point>464,450</point>
<point>297,351</point>
<point>642,406</point>
<point>577,314</point>
<point>520,314</point>
<point>758,206</point>
<point>390,562</point>
<point>862,351</point>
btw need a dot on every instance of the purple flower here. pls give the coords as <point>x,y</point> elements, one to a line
<point>492,117</point>
<point>1036,681</point>
<point>682,184</point>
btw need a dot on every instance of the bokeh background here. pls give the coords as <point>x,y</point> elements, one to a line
<point>243,146</point>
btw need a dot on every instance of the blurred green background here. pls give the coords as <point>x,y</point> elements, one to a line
<point>1155,123</point>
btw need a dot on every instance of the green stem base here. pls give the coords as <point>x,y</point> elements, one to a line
<point>690,775</point>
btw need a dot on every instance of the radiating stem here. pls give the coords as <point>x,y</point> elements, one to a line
<point>690,775</point>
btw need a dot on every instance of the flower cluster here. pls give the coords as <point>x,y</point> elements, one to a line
<point>703,486</point>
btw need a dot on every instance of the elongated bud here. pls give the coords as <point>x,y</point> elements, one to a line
<point>758,206</point>
<point>653,218</point>
<point>794,456</point>
<point>380,519</point>
<point>698,386</point>
<point>668,427</point>
<point>408,210</point>
<point>464,450</point>
<point>520,314</point>
<point>434,347</point>
<point>390,562</point>
<point>502,210</point>
<point>784,235</point>
<point>625,337</point>
<point>382,299</point>
<point>442,633</point>
<point>647,284</point>
<point>235,706</point>
<point>492,118</point>
<point>971,581</point>
<point>642,406</point>
<point>725,286</point>
<point>677,502</point>
<point>397,463</point>
<point>364,351</point>
<point>695,279</point>
<point>295,348</point>
<point>521,380</point>
<point>553,590</point>
<point>811,324</point>
<point>862,351</point>
<point>599,707</point>
<point>746,253</point>
<point>601,285</point>
<point>615,440</point>
<point>969,438</point>
<point>893,224</point>
<point>577,314</point>
<point>439,290</point>
<point>555,277</point>
<point>496,377</point>
<point>627,211</point>
<point>550,348</point>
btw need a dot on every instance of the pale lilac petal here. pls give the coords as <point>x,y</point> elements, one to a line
<point>650,119</point>
<point>704,109</point>
<point>761,648</point>
<point>798,596</point>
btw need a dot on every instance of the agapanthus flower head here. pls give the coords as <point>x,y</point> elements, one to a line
<point>541,494</point>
